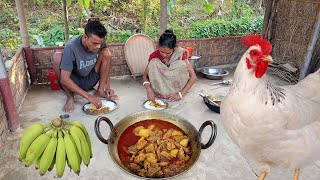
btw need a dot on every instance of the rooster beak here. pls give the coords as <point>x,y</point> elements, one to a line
<point>267,58</point>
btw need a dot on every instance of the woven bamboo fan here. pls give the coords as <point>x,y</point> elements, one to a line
<point>137,50</point>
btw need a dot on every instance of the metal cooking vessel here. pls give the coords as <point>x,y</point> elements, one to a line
<point>189,129</point>
<point>214,73</point>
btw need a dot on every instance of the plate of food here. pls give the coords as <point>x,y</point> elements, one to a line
<point>159,104</point>
<point>108,106</point>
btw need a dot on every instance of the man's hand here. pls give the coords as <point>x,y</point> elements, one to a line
<point>95,100</point>
<point>111,94</point>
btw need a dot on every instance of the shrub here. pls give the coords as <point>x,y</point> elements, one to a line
<point>221,27</point>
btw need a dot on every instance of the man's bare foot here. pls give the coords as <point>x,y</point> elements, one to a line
<point>69,106</point>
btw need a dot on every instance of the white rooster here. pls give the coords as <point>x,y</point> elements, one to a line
<point>274,126</point>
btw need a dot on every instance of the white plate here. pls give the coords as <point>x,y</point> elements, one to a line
<point>112,105</point>
<point>149,104</point>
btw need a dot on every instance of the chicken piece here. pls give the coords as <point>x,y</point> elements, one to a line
<point>137,129</point>
<point>179,138</point>
<point>154,136</point>
<point>140,158</point>
<point>150,148</point>
<point>132,149</point>
<point>168,172</point>
<point>151,157</point>
<point>142,172</point>
<point>163,163</point>
<point>151,168</point>
<point>274,126</point>
<point>141,143</point>
<point>167,134</point>
<point>159,173</point>
<point>186,158</point>
<point>166,154</point>
<point>134,167</point>
<point>170,146</point>
<point>181,154</point>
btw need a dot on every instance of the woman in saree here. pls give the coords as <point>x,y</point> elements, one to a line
<point>169,74</point>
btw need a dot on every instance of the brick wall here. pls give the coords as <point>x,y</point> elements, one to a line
<point>213,51</point>
<point>19,82</point>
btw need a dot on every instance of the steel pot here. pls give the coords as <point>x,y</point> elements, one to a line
<point>189,129</point>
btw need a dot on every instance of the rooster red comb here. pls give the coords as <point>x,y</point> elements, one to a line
<point>257,39</point>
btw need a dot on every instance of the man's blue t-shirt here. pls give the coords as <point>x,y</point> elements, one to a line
<point>77,59</point>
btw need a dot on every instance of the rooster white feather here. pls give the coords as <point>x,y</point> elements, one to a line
<point>274,126</point>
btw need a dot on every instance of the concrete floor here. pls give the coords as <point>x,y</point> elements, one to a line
<point>222,161</point>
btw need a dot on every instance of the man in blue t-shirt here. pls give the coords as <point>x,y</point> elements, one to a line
<point>85,61</point>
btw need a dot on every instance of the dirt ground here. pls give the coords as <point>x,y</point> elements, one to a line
<point>221,161</point>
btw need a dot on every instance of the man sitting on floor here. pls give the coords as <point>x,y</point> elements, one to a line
<point>85,61</point>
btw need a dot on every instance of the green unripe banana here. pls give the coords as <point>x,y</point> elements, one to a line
<point>81,143</point>
<point>52,164</point>
<point>29,135</point>
<point>71,151</point>
<point>60,156</point>
<point>36,148</point>
<point>85,132</point>
<point>48,156</point>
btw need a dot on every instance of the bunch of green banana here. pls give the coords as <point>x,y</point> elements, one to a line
<point>56,143</point>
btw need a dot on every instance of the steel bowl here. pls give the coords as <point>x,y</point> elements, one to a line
<point>214,73</point>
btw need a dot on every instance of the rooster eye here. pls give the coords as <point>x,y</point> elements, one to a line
<point>254,53</point>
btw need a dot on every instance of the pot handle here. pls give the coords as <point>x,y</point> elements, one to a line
<point>97,128</point>
<point>213,133</point>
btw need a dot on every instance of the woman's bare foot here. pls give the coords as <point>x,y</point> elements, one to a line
<point>69,106</point>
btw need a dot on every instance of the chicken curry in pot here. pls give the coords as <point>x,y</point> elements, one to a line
<point>154,148</point>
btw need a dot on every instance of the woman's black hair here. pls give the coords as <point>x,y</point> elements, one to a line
<point>96,28</point>
<point>168,39</point>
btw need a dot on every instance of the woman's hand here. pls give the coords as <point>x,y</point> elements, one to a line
<point>151,96</point>
<point>173,97</point>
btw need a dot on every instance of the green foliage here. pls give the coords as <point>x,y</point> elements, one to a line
<point>240,9</point>
<point>188,19</point>
<point>222,28</point>
<point>7,13</point>
<point>84,3</point>
<point>9,39</point>
<point>118,36</point>
<point>53,37</point>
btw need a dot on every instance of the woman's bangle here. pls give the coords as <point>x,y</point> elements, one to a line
<point>180,94</point>
<point>146,82</point>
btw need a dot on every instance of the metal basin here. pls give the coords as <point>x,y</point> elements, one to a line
<point>214,73</point>
<point>122,125</point>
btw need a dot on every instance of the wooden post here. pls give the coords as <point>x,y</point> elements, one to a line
<point>312,44</point>
<point>8,101</point>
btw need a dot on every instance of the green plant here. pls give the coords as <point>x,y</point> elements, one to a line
<point>221,27</point>
<point>118,36</point>
<point>9,39</point>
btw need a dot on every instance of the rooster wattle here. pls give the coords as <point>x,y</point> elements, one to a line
<point>274,126</point>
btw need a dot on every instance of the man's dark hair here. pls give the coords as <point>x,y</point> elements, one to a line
<point>168,39</point>
<point>96,28</point>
